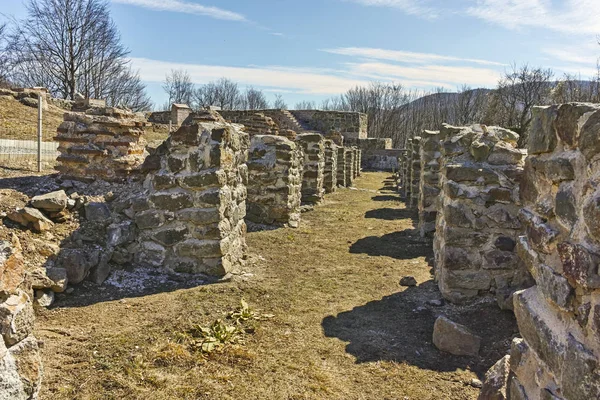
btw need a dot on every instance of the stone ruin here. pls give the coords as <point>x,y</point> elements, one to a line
<point>192,219</point>
<point>275,166</point>
<point>20,361</point>
<point>415,172</point>
<point>478,213</point>
<point>105,143</point>
<point>558,356</point>
<point>350,166</point>
<point>341,166</point>
<point>314,167</point>
<point>429,181</point>
<point>330,174</point>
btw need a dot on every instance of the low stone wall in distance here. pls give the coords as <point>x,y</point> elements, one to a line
<point>330,174</point>
<point>275,166</point>
<point>314,167</point>
<point>255,123</point>
<point>429,182</point>
<point>192,219</point>
<point>352,125</point>
<point>478,214</point>
<point>105,143</point>
<point>558,356</point>
<point>350,165</point>
<point>381,160</point>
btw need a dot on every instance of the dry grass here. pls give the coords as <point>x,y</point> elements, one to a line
<point>18,121</point>
<point>343,328</point>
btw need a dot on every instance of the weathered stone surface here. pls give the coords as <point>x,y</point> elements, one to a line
<point>31,218</point>
<point>542,132</point>
<point>312,145</point>
<point>496,381</point>
<point>408,281</point>
<point>78,263</point>
<point>16,318</point>
<point>97,212</point>
<point>12,268</point>
<point>454,338</point>
<point>54,201</point>
<point>49,278</point>
<point>429,181</point>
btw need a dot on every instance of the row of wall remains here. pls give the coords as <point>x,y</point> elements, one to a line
<point>429,182</point>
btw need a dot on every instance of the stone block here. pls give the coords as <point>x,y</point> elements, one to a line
<point>454,338</point>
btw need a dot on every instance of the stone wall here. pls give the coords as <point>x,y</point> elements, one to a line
<point>429,182</point>
<point>381,160</point>
<point>559,318</point>
<point>330,173</point>
<point>351,125</point>
<point>20,358</point>
<point>314,167</point>
<point>159,117</point>
<point>415,172</point>
<point>105,143</point>
<point>192,219</point>
<point>350,165</point>
<point>341,166</point>
<point>478,214</point>
<point>255,123</point>
<point>275,166</point>
<point>356,167</point>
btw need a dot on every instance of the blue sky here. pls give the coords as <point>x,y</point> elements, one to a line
<point>314,49</point>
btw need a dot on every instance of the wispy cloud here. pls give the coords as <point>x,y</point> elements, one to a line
<point>403,56</point>
<point>411,7</point>
<point>434,75</point>
<point>185,7</point>
<point>300,80</point>
<point>566,16</point>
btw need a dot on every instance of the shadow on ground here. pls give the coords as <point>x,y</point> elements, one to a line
<point>386,198</point>
<point>390,214</point>
<point>399,328</point>
<point>403,245</point>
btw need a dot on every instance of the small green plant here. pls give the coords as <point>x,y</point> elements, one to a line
<point>244,313</point>
<point>215,337</point>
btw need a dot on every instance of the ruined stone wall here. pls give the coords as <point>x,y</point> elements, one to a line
<point>159,117</point>
<point>255,123</point>
<point>105,143</point>
<point>559,318</point>
<point>341,166</point>
<point>478,214</point>
<point>429,182</point>
<point>359,162</point>
<point>275,166</point>
<point>356,167</point>
<point>350,164</point>
<point>404,173</point>
<point>330,173</point>
<point>314,167</point>
<point>351,125</point>
<point>381,160</point>
<point>20,357</point>
<point>192,219</point>
<point>415,172</point>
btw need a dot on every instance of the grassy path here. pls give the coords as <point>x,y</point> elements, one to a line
<point>343,327</point>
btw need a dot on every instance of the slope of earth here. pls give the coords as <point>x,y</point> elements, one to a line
<point>342,326</point>
<point>18,121</point>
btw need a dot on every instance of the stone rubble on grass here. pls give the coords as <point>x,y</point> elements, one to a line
<point>454,338</point>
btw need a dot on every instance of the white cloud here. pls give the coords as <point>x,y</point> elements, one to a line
<point>185,7</point>
<point>300,80</point>
<point>566,16</point>
<point>403,56</point>
<point>412,7</point>
<point>436,75</point>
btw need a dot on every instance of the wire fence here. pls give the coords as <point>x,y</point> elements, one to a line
<point>26,144</point>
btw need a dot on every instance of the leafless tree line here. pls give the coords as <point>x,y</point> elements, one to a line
<point>223,93</point>
<point>71,46</point>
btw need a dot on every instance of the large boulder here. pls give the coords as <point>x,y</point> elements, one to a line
<point>51,202</point>
<point>496,381</point>
<point>78,262</point>
<point>31,218</point>
<point>454,338</point>
<point>16,317</point>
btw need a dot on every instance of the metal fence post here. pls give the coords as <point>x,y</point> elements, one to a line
<point>39,149</point>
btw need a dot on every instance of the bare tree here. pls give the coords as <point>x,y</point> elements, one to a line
<point>223,93</point>
<point>4,64</point>
<point>254,99</point>
<point>70,46</point>
<point>305,105</point>
<point>279,103</point>
<point>178,85</point>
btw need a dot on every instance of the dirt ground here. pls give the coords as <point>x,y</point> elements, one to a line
<point>343,327</point>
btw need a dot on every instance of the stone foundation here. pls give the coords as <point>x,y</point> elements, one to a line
<point>429,182</point>
<point>415,172</point>
<point>478,214</point>
<point>341,166</point>
<point>20,358</point>
<point>314,167</point>
<point>275,167</point>
<point>192,219</point>
<point>559,318</point>
<point>350,164</point>
<point>104,143</point>
<point>330,174</point>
